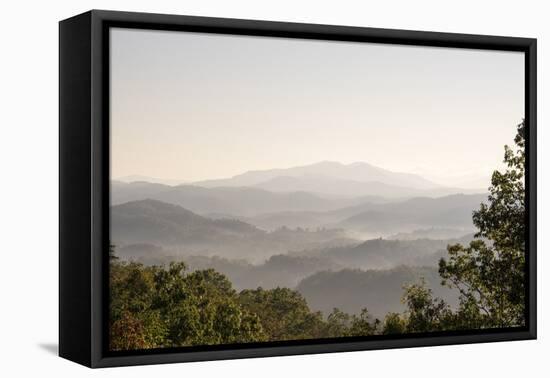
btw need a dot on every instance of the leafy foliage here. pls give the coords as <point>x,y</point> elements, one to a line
<point>284,313</point>
<point>154,307</point>
<point>393,324</point>
<point>489,272</point>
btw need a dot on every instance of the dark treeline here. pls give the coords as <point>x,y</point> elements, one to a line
<point>170,306</point>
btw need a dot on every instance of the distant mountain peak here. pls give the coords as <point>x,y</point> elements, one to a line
<point>324,163</point>
<point>332,173</point>
<point>156,180</point>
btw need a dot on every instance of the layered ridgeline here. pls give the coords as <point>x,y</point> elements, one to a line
<point>328,180</point>
<point>327,268</point>
<point>180,232</point>
<point>340,179</point>
<point>323,194</point>
<point>297,227</point>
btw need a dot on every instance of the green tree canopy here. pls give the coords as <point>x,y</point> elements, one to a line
<point>490,271</point>
<point>283,312</point>
<point>155,307</point>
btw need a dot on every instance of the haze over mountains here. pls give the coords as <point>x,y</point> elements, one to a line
<point>293,227</point>
<point>333,178</point>
<point>185,233</point>
<point>328,179</point>
<point>359,171</point>
<point>232,201</point>
<point>154,180</point>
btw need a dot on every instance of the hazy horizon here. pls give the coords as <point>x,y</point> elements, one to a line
<point>171,181</point>
<point>192,106</point>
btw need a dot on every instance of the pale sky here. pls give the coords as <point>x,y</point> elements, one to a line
<point>195,106</point>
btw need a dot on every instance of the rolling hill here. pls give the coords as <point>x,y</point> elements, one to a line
<point>232,201</point>
<point>342,188</point>
<point>454,211</point>
<point>182,232</point>
<point>156,222</point>
<point>386,254</point>
<point>374,219</point>
<point>380,291</point>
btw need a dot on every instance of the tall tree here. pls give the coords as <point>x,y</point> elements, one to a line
<point>490,271</point>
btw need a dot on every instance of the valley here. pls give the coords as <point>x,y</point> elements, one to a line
<point>335,233</point>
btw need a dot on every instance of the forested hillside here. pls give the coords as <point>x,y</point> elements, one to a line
<point>378,290</point>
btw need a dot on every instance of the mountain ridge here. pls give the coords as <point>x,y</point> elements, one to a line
<point>183,232</point>
<point>357,171</point>
<point>237,201</point>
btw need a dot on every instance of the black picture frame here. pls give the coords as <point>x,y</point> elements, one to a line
<point>84,184</point>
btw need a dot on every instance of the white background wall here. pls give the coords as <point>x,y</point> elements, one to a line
<point>29,189</point>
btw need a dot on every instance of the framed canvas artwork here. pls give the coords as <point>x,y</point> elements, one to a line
<point>236,188</point>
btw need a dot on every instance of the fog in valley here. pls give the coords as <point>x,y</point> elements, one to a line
<point>351,242</point>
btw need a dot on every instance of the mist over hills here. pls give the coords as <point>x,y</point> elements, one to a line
<point>277,271</point>
<point>122,192</point>
<point>367,216</point>
<point>158,223</point>
<point>373,219</point>
<point>284,269</point>
<point>344,188</point>
<point>182,232</point>
<point>324,283</point>
<point>347,236</point>
<point>237,201</point>
<point>151,221</point>
<point>454,211</point>
<point>428,233</point>
<point>326,193</point>
<point>155,233</point>
<point>386,254</point>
